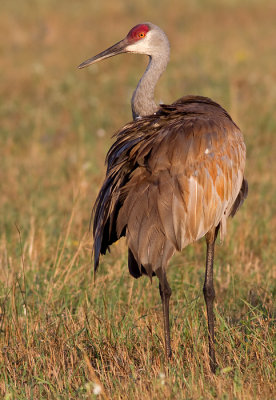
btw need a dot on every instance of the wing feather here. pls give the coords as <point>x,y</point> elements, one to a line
<point>171,177</point>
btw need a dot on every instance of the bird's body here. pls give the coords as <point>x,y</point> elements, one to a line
<point>174,175</point>
<point>171,178</point>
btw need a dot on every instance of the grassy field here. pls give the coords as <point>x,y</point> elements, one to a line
<point>63,336</point>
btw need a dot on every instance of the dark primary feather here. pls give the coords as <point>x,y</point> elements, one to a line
<point>240,199</point>
<point>171,177</point>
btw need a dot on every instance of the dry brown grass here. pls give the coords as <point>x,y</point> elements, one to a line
<point>61,334</point>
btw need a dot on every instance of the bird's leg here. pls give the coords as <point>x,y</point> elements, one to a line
<point>165,293</point>
<point>209,293</point>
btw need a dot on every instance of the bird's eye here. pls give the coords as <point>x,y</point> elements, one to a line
<point>138,32</point>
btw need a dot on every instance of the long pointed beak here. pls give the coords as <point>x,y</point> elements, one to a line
<point>117,48</point>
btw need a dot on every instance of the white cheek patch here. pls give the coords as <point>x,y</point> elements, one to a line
<point>141,46</point>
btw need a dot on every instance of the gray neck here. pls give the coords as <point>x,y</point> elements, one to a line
<point>142,101</point>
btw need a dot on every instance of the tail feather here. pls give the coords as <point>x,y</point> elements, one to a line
<point>240,198</point>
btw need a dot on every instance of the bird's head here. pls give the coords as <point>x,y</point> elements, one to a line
<point>145,38</point>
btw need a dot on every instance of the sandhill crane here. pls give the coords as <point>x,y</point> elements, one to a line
<point>174,175</point>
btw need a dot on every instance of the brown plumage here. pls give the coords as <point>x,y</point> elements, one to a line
<point>173,176</point>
